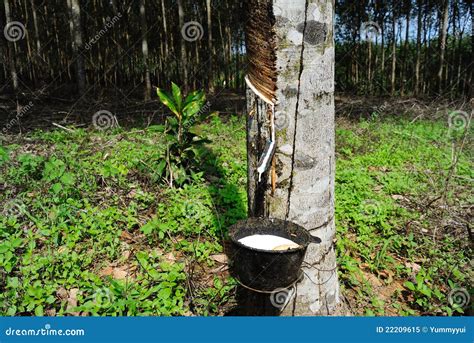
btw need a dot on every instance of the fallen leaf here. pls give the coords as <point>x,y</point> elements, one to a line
<point>374,168</point>
<point>126,254</point>
<point>119,274</point>
<point>188,314</point>
<point>413,266</point>
<point>386,274</point>
<point>170,257</point>
<point>221,258</point>
<point>51,312</point>
<point>368,276</point>
<point>398,197</point>
<point>372,279</point>
<point>220,269</point>
<point>131,194</point>
<point>106,271</point>
<point>72,301</point>
<point>126,236</point>
<point>61,293</point>
<point>131,269</point>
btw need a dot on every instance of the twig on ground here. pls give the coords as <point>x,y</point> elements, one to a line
<point>62,127</point>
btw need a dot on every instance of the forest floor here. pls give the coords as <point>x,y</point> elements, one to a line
<point>87,227</point>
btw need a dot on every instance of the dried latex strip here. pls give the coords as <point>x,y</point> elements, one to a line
<point>264,161</point>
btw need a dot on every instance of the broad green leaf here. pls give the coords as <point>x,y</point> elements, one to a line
<point>53,169</point>
<point>192,108</point>
<point>177,96</point>
<point>426,291</point>
<point>172,122</point>
<point>57,187</point>
<point>39,312</point>
<point>148,227</point>
<point>4,248</point>
<point>409,285</point>
<point>165,293</point>
<point>15,243</point>
<point>11,311</point>
<point>166,100</point>
<point>154,274</point>
<point>68,179</point>
<point>13,282</point>
<point>194,96</point>
<point>156,128</point>
<point>142,258</point>
<point>51,299</point>
<point>161,167</point>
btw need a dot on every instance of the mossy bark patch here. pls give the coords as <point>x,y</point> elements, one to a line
<point>315,32</point>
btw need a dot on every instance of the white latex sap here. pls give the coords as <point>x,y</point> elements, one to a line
<point>268,242</point>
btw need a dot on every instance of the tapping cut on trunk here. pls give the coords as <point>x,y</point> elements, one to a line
<point>261,43</point>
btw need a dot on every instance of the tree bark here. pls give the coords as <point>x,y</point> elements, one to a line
<point>144,28</point>
<point>224,53</point>
<point>418,48</point>
<point>210,49</point>
<point>304,157</point>
<point>442,43</point>
<point>165,27</point>
<point>369,64</point>
<point>184,57</point>
<point>394,52</point>
<point>11,49</point>
<point>382,28</point>
<point>406,48</point>
<point>78,45</point>
<point>3,57</point>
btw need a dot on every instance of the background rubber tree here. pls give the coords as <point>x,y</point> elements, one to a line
<point>290,44</point>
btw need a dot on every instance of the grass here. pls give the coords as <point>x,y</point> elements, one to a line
<point>403,244</point>
<point>89,229</point>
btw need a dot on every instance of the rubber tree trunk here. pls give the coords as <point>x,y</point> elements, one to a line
<point>78,45</point>
<point>418,47</point>
<point>144,27</point>
<point>184,56</point>
<point>442,43</point>
<point>290,45</point>
<point>11,49</point>
<point>209,45</point>
<point>394,52</point>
